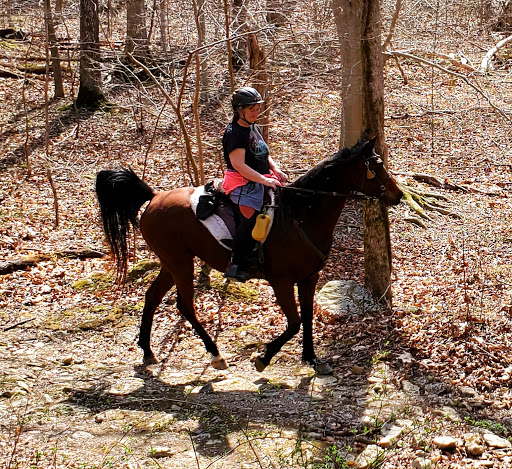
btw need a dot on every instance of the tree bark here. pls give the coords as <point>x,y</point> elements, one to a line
<point>258,66</point>
<point>25,262</point>
<point>90,93</point>
<point>377,240</point>
<point>163,26</point>
<point>8,13</point>
<point>239,51</point>
<point>203,59</point>
<point>347,15</point>
<point>358,24</point>
<point>136,33</point>
<point>229,46</point>
<point>51,39</point>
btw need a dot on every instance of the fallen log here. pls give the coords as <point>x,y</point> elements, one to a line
<point>486,62</point>
<point>25,262</point>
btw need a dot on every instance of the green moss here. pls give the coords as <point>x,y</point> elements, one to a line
<point>98,323</point>
<point>234,291</point>
<point>142,267</point>
<point>98,281</point>
<point>91,319</point>
<point>66,107</point>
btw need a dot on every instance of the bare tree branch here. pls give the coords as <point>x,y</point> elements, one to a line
<point>450,72</point>
<point>392,26</point>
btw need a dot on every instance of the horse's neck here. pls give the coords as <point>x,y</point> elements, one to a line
<point>319,217</point>
<point>325,210</point>
<point>319,213</point>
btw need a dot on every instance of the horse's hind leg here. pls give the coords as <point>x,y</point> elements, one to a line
<point>185,303</point>
<point>162,284</point>
<point>286,299</point>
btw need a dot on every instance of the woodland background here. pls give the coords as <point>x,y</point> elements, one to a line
<point>73,393</point>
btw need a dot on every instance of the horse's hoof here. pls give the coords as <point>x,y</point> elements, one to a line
<point>149,360</point>
<point>323,369</point>
<point>258,363</point>
<point>219,363</point>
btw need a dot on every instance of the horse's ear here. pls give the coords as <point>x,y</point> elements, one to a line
<point>368,147</point>
<point>372,142</point>
<point>365,136</point>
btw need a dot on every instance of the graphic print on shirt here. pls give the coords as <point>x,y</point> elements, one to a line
<point>258,146</point>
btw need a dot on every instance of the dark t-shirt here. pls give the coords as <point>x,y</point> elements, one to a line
<point>251,140</point>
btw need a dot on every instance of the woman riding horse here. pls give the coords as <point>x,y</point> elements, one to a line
<point>249,169</point>
<point>295,251</point>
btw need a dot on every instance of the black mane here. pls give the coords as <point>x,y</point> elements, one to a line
<point>321,178</point>
<point>317,178</point>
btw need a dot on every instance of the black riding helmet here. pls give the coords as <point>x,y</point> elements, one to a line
<point>245,97</point>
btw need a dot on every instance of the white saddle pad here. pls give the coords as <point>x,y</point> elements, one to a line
<point>214,223</point>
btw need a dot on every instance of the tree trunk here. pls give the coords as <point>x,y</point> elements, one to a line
<point>276,12</point>
<point>136,33</point>
<point>163,26</point>
<point>8,14</point>
<point>377,241</point>
<point>347,15</point>
<point>359,27</point>
<point>258,66</point>
<point>51,39</point>
<point>203,58</point>
<point>239,51</point>
<point>90,93</point>
<point>229,46</point>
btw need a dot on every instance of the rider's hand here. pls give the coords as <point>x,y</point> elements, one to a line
<point>271,182</point>
<point>280,175</point>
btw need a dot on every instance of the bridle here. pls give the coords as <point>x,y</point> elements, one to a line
<point>375,175</point>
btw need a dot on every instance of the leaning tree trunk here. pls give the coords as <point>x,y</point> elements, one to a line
<point>90,93</point>
<point>377,241</point>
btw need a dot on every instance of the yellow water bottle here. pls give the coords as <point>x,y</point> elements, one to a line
<point>261,227</point>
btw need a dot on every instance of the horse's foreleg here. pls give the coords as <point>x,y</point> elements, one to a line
<point>306,294</point>
<point>286,299</point>
<point>185,304</point>
<point>162,284</point>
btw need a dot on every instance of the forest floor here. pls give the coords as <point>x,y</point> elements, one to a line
<point>74,393</point>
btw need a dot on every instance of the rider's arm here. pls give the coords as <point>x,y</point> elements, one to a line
<point>237,158</point>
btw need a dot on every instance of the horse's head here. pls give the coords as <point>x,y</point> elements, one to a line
<point>374,180</point>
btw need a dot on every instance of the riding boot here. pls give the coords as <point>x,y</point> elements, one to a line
<point>243,245</point>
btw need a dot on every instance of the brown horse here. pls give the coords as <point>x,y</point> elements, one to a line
<point>294,252</point>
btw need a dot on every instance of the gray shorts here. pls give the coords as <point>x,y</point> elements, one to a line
<point>251,195</point>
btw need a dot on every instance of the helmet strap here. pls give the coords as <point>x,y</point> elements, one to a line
<point>239,115</point>
<point>245,120</point>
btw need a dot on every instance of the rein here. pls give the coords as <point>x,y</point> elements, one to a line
<point>352,195</point>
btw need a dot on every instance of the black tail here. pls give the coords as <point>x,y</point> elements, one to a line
<point>120,194</point>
